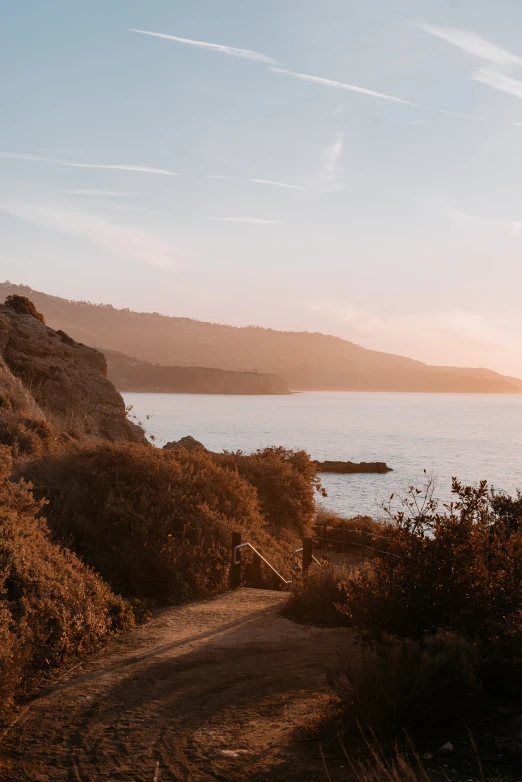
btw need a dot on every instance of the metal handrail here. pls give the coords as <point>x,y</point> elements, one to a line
<point>297,550</point>
<point>237,561</point>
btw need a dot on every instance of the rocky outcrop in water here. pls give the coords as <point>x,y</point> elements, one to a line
<point>353,467</point>
<point>45,373</point>
<point>188,443</point>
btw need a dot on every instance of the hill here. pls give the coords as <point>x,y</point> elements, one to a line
<point>305,361</point>
<point>130,374</point>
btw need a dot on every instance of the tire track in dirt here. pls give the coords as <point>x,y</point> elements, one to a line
<point>212,690</point>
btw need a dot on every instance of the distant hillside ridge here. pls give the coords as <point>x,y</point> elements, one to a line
<point>129,374</point>
<point>305,361</point>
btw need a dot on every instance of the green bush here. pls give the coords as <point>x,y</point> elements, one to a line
<point>156,524</point>
<point>52,607</point>
<point>286,482</point>
<point>23,306</point>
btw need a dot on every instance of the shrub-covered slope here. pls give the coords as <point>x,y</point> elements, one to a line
<point>52,607</point>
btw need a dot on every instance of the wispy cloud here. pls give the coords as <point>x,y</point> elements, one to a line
<point>128,207</point>
<point>499,81</point>
<point>341,85</point>
<point>277,184</point>
<point>118,239</point>
<point>333,153</point>
<point>472,44</point>
<point>76,164</point>
<point>464,116</point>
<point>248,54</point>
<point>93,192</point>
<point>512,228</point>
<point>253,220</point>
<point>324,179</point>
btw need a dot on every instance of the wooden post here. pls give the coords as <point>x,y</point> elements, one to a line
<point>307,553</point>
<point>235,566</point>
<point>345,538</point>
<point>324,537</point>
<point>256,572</point>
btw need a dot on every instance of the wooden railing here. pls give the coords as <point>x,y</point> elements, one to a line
<point>343,540</point>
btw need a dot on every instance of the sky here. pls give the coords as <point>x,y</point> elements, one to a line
<point>352,167</point>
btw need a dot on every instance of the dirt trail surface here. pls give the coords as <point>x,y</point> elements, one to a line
<point>213,690</point>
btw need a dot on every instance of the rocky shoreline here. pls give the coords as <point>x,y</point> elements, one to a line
<point>342,468</point>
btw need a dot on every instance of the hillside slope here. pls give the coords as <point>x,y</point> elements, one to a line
<point>129,374</point>
<point>304,360</point>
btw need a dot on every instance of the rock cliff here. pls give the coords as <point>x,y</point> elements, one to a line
<point>129,374</point>
<point>45,373</point>
<point>189,443</point>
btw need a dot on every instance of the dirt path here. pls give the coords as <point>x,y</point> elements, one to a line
<point>213,690</point>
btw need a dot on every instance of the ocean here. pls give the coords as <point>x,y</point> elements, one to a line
<point>470,436</point>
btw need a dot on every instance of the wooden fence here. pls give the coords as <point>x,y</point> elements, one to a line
<point>329,543</point>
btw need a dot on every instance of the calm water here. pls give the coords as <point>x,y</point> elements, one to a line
<point>470,436</point>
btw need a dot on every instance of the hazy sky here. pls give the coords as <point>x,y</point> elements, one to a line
<point>345,166</point>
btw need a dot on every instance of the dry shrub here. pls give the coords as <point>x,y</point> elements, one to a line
<point>316,594</point>
<point>455,576</point>
<point>26,436</point>
<point>52,607</point>
<point>459,570</point>
<point>5,403</point>
<point>397,684</point>
<point>330,518</point>
<point>156,524</point>
<point>286,482</point>
<point>397,768</point>
<point>23,306</point>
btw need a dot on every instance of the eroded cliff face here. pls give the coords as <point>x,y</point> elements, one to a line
<point>45,373</point>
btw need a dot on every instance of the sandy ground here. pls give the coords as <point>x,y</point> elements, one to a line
<point>215,690</point>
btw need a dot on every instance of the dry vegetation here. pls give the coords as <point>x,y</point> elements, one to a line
<point>154,526</point>
<point>23,306</point>
<point>52,607</point>
<point>439,617</point>
<point>157,524</point>
<point>286,482</point>
<point>25,435</point>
